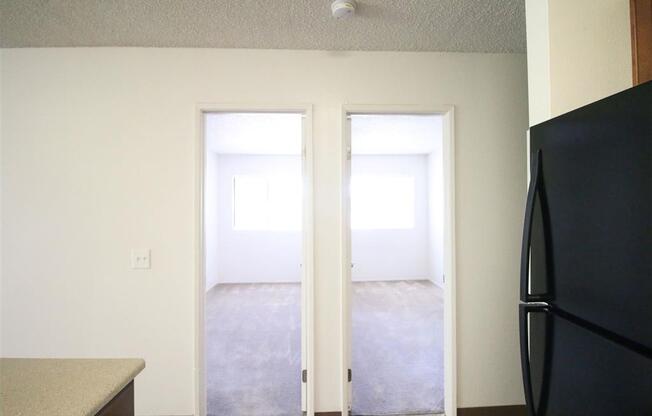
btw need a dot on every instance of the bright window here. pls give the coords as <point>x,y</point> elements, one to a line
<point>382,202</point>
<point>267,203</point>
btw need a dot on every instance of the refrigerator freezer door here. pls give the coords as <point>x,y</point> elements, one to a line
<point>574,371</point>
<point>591,240</point>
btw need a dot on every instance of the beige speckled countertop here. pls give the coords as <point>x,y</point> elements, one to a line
<point>62,387</point>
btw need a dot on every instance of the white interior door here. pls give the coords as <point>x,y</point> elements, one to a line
<point>307,298</point>
<point>347,264</point>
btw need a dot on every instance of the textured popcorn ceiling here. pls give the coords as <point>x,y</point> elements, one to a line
<point>405,25</point>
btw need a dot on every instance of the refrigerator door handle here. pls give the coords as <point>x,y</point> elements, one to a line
<point>527,228</point>
<point>524,310</point>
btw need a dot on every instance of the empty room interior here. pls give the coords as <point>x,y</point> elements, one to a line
<point>397,251</point>
<point>325,208</point>
<point>253,262</point>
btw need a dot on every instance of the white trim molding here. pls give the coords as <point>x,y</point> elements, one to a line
<point>307,286</point>
<point>448,148</point>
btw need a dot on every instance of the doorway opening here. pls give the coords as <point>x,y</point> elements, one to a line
<point>397,182</point>
<point>257,258</point>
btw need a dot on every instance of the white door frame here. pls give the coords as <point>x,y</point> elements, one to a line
<point>307,284</point>
<point>450,352</point>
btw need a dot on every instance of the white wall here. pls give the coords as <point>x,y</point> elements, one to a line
<point>99,156</point>
<point>398,254</point>
<point>578,52</point>
<point>1,130</point>
<point>538,60</point>
<point>211,219</point>
<point>248,256</point>
<point>435,166</point>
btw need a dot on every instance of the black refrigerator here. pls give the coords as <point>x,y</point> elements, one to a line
<point>586,261</point>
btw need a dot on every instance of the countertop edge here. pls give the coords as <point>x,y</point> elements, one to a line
<point>118,388</point>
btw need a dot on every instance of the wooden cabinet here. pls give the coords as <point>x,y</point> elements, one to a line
<point>641,23</point>
<point>122,404</point>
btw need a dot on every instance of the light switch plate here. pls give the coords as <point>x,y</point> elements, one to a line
<point>141,259</point>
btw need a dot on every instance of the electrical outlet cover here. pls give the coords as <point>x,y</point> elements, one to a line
<point>140,259</point>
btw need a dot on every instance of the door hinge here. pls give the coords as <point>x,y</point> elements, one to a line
<point>350,375</point>
<point>443,278</point>
<point>304,376</point>
<point>348,153</point>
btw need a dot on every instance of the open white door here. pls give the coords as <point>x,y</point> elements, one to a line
<point>347,262</point>
<point>307,297</point>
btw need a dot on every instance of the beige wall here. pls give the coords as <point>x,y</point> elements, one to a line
<point>99,158</point>
<point>538,60</point>
<point>578,52</point>
<point>1,78</point>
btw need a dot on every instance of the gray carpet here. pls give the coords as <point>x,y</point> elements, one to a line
<point>397,348</point>
<point>253,349</point>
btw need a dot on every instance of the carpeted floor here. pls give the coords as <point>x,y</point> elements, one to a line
<point>253,357</point>
<point>253,350</point>
<point>397,348</point>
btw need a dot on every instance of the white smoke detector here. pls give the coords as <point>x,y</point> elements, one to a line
<point>343,8</point>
